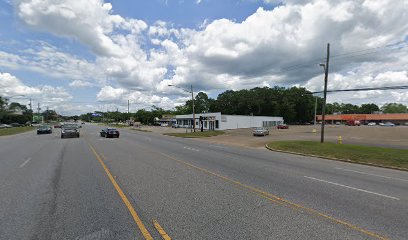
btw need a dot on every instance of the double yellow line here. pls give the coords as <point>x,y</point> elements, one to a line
<point>129,206</point>
<point>259,192</point>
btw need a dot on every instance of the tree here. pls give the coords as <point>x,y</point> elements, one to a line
<point>368,108</point>
<point>394,108</point>
<point>201,102</point>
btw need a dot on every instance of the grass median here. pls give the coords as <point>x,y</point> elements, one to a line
<point>14,130</point>
<point>389,157</point>
<point>195,134</point>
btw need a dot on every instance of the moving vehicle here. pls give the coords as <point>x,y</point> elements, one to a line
<point>282,126</point>
<point>260,131</point>
<point>109,132</point>
<point>69,130</point>
<point>353,123</point>
<point>44,129</point>
<point>57,126</point>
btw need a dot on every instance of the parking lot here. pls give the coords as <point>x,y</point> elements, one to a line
<point>394,137</point>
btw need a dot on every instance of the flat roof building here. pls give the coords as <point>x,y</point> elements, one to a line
<point>400,118</point>
<point>218,121</point>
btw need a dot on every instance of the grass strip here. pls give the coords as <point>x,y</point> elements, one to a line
<point>14,130</point>
<point>363,154</point>
<point>195,134</point>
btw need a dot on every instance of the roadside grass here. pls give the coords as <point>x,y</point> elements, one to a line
<point>389,157</point>
<point>14,130</point>
<point>140,130</point>
<point>195,134</point>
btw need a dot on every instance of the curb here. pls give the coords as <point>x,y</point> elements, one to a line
<point>336,159</point>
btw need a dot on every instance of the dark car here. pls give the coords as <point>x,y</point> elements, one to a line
<point>282,126</point>
<point>109,133</point>
<point>69,130</point>
<point>44,129</point>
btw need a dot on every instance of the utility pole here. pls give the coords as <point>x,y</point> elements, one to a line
<point>314,122</point>
<point>128,106</point>
<point>326,73</point>
<point>192,98</point>
<point>38,110</point>
<point>31,106</point>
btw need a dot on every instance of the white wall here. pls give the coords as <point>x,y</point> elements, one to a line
<point>233,121</point>
<point>239,121</point>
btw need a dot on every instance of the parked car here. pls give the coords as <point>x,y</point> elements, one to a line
<point>69,130</point>
<point>5,126</point>
<point>44,129</point>
<point>16,125</point>
<point>282,126</point>
<point>260,131</point>
<point>388,124</point>
<point>372,124</point>
<point>109,132</point>
<point>353,123</point>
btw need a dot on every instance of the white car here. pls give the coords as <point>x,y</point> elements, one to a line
<point>260,131</point>
<point>388,124</point>
<point>372,124</point>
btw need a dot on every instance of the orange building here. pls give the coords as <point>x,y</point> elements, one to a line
<point>396,118</point>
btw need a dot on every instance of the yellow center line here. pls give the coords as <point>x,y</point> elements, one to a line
<point>163,233</point>
<point>273,198</point>
<point>132,211</point>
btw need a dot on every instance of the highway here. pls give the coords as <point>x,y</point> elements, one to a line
<point>148,186</point>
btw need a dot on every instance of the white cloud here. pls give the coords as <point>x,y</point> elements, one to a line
<point>12,86</point>
<point>88,21</point>
<point>80,84</point>
<point>48,60</point>
<point>224,54</point>
<point>120,96</point>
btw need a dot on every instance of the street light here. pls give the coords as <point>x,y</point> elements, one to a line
<point>326,73</point>
<point>192,99</point>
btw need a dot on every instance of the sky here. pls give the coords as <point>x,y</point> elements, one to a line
<point>94,55</point>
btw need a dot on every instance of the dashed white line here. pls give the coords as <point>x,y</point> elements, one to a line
<point>353,188</point>
<point>372,174</point>
<point>25,162</point>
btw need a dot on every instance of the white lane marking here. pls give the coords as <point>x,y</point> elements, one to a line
<point>191,149</point>
<point>353,188</point>
<point>25,162</point>
<point>372,174</point>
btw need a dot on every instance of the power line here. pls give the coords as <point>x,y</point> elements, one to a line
<point>364,89</point>
<point>350,54</point>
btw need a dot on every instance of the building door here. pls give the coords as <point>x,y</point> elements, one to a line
<point>211,127</point>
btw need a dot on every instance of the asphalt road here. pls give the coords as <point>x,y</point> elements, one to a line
<point>97,188</point>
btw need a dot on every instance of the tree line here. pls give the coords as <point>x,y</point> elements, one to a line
<point>13,112</point>
<point>296,105</point>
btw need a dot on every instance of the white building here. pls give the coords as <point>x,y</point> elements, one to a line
<point>218,121</point>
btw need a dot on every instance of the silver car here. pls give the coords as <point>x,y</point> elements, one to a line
<point>260,131</point>
<point>69,130</point>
